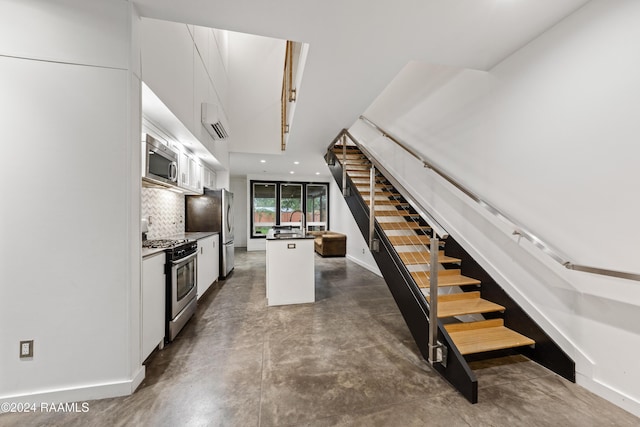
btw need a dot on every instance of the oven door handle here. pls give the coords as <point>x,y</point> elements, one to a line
<point>185,259</point>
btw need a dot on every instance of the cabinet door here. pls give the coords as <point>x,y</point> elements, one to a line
<point>198,178</point>
<point>184,170</point>
<point>195,178</point>
<point>215,259</point>
<point>207,248</point>
<point>153,303</point>
<point>208,178</point>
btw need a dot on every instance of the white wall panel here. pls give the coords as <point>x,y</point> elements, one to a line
<point>69,262</point>
<point>75,31</point>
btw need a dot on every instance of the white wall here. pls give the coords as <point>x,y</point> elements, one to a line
<point>342,221</point>
<point>70,258</point>
<point>255,76</point>
<point>238,186</point>
<point>549,137</point>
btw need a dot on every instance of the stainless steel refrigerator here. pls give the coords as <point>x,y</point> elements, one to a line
<point>213,211</point>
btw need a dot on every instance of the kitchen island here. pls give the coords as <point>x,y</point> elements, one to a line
<point>290,268</point>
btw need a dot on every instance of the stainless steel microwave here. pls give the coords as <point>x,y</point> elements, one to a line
<point>161,163</point>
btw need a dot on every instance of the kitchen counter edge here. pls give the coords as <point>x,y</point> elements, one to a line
<point>193,235</point>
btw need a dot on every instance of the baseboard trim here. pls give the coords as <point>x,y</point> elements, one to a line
<point>80,393</point>
<point>138,378</point>
<point>374,269</point>
<point>609,393</point>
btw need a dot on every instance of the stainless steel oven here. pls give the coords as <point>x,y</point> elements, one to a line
<point>181,269</point>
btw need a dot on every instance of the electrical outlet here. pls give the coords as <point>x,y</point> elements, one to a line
<point>26,348</point>
<point>362,251</point>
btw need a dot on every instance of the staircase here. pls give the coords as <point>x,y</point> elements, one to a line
<point>468,324</point>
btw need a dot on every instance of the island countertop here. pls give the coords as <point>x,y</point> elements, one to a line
<point>288,235</point>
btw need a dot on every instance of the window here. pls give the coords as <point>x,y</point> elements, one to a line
<point>285,203</point>
<point>317,212</point>
<point>264,208</point>
<point>291,204</point>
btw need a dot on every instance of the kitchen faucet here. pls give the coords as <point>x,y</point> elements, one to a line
<point>303,220</point>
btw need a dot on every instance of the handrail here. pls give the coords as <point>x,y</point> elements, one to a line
<point>518,229</point>
<point>437,228</point>
<point>437,352</point>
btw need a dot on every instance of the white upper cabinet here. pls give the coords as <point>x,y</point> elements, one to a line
<point>189,172</point>
<point>183,170</point>
<point>167,66</point>
<point>195,175</point>
<point>208,178</point>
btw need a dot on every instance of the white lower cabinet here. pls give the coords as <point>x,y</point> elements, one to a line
<point>153,303</point>
<point>208,262</point>
<point>290,271</point>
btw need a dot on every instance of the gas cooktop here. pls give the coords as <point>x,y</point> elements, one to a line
<point>163,243</point>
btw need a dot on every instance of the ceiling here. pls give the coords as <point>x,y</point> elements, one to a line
<point>357,47</point>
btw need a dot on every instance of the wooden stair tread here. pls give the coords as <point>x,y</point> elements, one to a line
<point>423,257</point>
<point>403,225</point>
<point>350,150</point>
<point>350,156</point>
<point>365,181</point>
<point>398,213</point>
<point>410,240</point>
<point>387,202</point>
<point>482,338</point>
<point>355,162</point>
<point>366,185</point>
<point>445,278</point>
<point>359,173</point>
<point>378,192</point>
<point>465,303</point>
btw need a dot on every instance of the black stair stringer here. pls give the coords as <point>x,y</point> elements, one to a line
<point>408,296</point>
<point>546,352</point>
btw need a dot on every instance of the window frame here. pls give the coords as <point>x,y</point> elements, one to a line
<point>276,206</point>
<point>278,185</point>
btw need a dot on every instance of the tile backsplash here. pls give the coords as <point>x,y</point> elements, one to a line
<point>165,211</point>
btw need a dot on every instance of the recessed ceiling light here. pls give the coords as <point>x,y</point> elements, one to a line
<point>296,162</point>
<point>263,161</point>
<point>292,172</point>
<point>317,173</point>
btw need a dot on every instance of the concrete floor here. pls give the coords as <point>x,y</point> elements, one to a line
<point>347,360</point>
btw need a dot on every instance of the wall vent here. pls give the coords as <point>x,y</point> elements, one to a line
<point>213,120</point>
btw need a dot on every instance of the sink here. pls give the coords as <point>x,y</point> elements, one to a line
<point>287,235</point>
